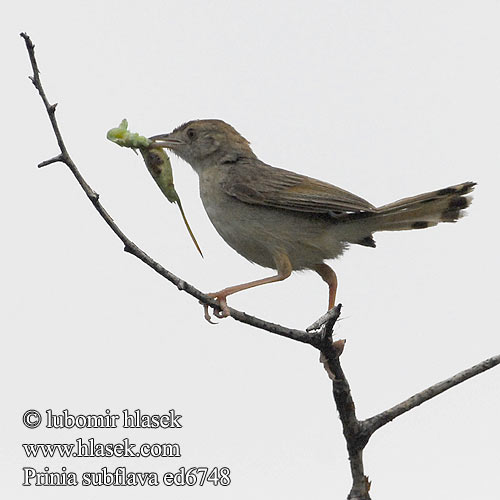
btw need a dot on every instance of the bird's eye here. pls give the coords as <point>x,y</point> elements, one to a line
<point>191,133</point>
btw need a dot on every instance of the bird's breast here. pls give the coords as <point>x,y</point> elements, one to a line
<point>258,232</point>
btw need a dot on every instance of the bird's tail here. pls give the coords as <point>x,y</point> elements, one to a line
<point>424,210</point>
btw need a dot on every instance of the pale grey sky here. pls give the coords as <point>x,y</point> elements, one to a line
<point>386,99</point>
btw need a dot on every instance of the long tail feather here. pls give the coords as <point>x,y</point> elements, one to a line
<point>424,210</point>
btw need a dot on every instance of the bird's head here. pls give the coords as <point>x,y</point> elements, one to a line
<point>202,143</point>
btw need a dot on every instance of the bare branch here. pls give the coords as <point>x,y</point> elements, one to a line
<point>130,246</point>
<point>354,432</point>
<point>377,421</point>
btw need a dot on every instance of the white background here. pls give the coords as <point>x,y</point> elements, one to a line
<point>386,99</point>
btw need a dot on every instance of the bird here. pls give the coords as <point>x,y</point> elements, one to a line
<point>287,221</point>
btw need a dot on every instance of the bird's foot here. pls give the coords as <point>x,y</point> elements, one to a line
<point>222,311</point>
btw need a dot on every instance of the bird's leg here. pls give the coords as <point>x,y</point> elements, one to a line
<point>284,268</point>
<point>329,276</point>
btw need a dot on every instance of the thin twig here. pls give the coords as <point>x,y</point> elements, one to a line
<point>377,421</point>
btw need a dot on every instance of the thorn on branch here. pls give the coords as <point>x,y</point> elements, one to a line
<point>52,108</point>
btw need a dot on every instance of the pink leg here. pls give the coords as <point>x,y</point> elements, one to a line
<point>329,276</point>
<point>284,268</point>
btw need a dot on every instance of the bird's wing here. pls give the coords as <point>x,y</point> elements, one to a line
<point>260,184</point>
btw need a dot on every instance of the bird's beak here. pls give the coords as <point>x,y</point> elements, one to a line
<point>165,141</point>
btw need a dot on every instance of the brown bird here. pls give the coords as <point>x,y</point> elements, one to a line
<point>287,221</point>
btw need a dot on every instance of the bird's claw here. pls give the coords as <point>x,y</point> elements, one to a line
<point>221,312</point>
<point>206,314</point>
